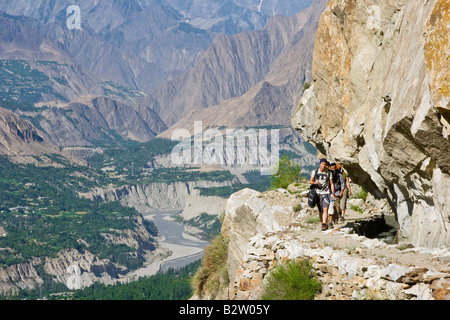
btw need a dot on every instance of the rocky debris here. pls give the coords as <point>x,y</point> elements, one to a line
<point>264,232</point>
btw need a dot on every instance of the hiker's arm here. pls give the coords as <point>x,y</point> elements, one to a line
<point>332,188</point>
<point>348,186</point>
<point>312,179</point>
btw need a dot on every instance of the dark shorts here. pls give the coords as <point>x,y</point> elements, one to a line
<point>324,201</point>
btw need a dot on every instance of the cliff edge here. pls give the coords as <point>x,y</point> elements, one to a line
<point>264,230</point>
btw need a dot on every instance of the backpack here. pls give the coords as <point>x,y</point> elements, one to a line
<point>336,181</point>
<point>313,197</point>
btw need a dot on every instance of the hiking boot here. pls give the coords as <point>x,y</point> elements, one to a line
<point>324,226</point>
<point>330,225</point>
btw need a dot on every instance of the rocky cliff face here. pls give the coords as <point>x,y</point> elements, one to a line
<point>153,196</point>
<point>91,119</point>
<point>380,104</point>
<point>121,41</point>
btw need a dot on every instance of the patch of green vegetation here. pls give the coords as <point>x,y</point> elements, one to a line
<point>128,161</point>
<point>21,86</point>
<point>213,270</point>
<point>361,194</point>
<point>306,86</point>
<point>209,224</point>
<point>188,28</point>
<point>292,281</point>
<point>111,88</point>
<point>287,173</point>
<point>171,285</point>
<point>183,174</point>
<point>297,207</point>
<point>131,154</point>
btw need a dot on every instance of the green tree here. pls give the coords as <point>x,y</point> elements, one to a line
<point>287,173</point>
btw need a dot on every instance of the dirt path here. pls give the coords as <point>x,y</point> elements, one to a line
<point>340,237</point>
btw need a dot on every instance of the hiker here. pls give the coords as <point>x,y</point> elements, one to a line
<point>347,191</point>
<point>322,180</point>
<point>338,182</point>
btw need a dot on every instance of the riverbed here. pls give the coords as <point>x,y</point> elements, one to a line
<point>184,247</point>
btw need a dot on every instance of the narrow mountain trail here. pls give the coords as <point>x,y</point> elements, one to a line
<point>354,260</point>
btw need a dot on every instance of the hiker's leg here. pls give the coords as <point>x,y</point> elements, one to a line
<point>337,209</point>
<point>344,202</point>
<point>320,208</point>
<point>326,205</point>
<point>331,213</point>
<point>325,215</point>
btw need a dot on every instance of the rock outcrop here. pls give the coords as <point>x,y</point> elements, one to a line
<point>380,104</point>
<point>248,214</point>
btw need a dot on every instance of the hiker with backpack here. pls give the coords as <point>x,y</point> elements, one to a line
<point>321,182</point>
<point>338,182</point>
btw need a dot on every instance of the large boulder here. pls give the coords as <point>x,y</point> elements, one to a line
<point>248,213</point>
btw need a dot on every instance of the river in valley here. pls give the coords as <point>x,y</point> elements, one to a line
<point>185,248</point>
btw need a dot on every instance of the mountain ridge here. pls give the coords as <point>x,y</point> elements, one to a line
<point>279,88</point>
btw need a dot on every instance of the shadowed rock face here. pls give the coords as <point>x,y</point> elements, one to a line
<point>379,104</point>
